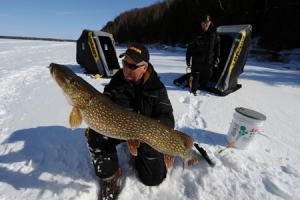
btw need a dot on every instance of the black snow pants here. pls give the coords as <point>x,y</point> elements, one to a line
<point>149,163</point>
<point>200,78</point>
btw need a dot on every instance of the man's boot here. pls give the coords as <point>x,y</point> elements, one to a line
<point>110,187</point>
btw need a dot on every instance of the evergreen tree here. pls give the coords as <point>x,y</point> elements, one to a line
<point>275,22</point>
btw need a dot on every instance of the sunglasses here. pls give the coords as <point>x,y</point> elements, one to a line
<point>206,22</point>
<point>130,66</point>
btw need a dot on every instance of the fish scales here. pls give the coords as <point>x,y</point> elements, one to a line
<point>122,125</point>
<point>109,119</point>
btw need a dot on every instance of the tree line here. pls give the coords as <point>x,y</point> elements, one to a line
<point>175,22</point>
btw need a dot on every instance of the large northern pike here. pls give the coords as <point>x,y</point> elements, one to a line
<point>109,119</point>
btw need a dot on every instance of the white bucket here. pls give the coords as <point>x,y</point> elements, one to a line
<point>245,125</point>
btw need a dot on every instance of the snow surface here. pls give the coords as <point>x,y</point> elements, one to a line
<point>41,158</point>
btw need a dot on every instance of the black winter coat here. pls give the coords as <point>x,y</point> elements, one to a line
<point>148,98</point>
<point>204,50</point>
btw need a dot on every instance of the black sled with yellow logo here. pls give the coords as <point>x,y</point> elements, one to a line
<point>234,47</point>
<point>96,53</point>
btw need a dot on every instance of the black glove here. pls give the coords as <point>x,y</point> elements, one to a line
<point>87,132</point>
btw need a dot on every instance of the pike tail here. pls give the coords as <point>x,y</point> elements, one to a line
<point>196,157</point>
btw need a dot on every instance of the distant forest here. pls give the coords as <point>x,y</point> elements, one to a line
<point>276,23</point>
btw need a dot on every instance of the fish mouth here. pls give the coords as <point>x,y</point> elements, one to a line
<point>60,72</point>
<point>54,73</point>
<point>72,85</point>
<point>52,68</point>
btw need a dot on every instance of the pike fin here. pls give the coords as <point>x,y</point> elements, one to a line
<point>169,160</point>
<point>188,141</point>
<point>132,146</point>
<point>75,118</point>
<point>190,161</point>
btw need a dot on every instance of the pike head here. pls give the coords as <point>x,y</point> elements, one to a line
<point>77,91</point>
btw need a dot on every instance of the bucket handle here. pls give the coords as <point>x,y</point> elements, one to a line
<point>232,143</point>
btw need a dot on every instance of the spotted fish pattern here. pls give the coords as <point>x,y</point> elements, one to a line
<point>111,120</point>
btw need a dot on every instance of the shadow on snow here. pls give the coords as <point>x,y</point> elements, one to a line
<point>274,77</point>
<point>53,150</point>
<point>205,137</point>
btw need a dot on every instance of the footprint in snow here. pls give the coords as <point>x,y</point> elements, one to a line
<point>275,188</point>
<point>184,100</point>
<point>192,118</point>
<point>290,170</point>
<point>2,112</point>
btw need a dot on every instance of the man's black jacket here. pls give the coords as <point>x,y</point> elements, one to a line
<point>204,50</point>
<point>148,98</point>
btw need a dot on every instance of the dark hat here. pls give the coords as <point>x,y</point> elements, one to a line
<point>137,52</point>
<point>205,18</point>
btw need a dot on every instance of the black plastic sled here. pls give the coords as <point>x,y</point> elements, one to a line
<point>234,48</point>
<point>96,53</point>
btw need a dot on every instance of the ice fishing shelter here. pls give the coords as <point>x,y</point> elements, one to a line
<point>96,53</point>
<point>234,48</point>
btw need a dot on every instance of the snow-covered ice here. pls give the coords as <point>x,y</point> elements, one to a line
<point>41,158</point>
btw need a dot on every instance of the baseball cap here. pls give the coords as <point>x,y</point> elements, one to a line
<point>137,52</point>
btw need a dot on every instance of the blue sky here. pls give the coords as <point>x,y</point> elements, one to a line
<point>60,18</point>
